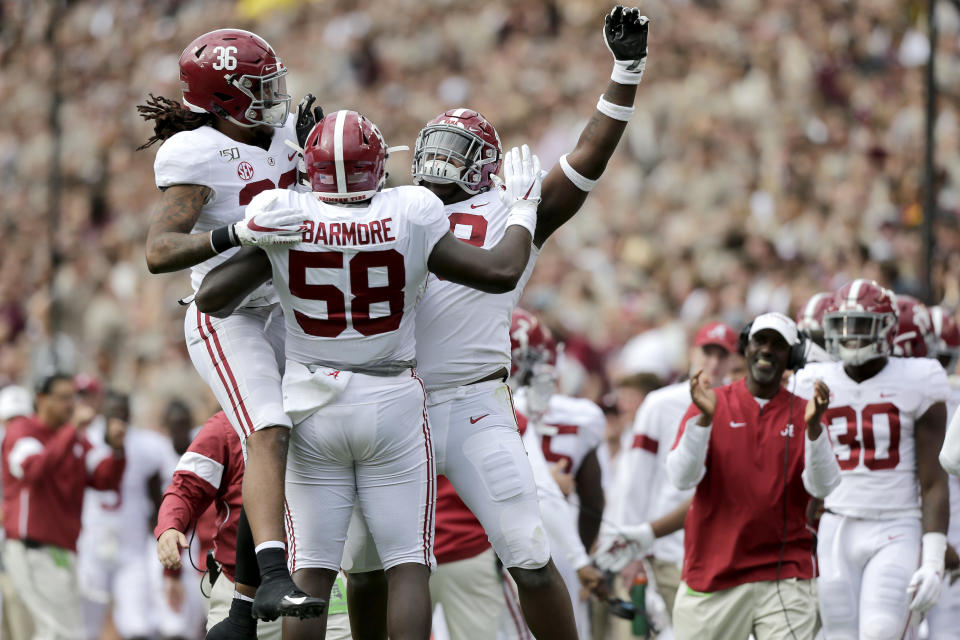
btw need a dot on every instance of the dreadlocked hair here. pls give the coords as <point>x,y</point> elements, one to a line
<point>169,117</point>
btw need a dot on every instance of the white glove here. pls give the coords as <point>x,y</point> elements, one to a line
<point>927,582</point>
<point>619,551</point>
<point>266,226</point>
<point>520,187</point>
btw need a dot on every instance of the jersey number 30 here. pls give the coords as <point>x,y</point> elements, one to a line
<point>363,294</point>
<point>848,416</point>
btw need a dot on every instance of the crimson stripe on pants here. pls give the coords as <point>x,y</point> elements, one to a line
<point>431,473</point>
<point>236,388</point>
<point>216,366</point>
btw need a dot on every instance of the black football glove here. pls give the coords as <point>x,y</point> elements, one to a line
<point>625,32</point>
<point>307,118</point>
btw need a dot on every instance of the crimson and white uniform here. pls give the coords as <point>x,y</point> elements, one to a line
<point>643,492</point>
<point>348,293</point>
<point>210,474</point>
<point>944,619</point>
<point>463,335</point>
<point>570,429</point>
<point>114,551</point>
<point>240,357</point>
<point>868,544</point>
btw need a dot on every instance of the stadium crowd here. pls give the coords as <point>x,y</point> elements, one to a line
<point>776,151</point>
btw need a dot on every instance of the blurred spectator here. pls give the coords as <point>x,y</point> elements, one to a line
<point>16,622</point>
<point>114,551</point>
<point>47,462</point>
<point>776,151</point>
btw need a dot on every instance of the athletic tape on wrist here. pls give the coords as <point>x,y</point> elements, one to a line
<point>524,215</point>
<point>933,547</point>
<point>615,111</point>
<point>621,75</point>
<point>579,180</point>
<point>223,238</point>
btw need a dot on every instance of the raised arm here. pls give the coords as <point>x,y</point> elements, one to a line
<point>229,283</point>
<point>497,270</point>
<point>567,185</point>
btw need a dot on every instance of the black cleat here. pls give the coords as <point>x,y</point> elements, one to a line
<point>281,597</point>
<point>230,629</point>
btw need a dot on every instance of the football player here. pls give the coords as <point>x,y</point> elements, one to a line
<point>914,337</point>
<point>810,325</point>
<point>348,293</point>
<point>463,341</point>
<point>644,494</point>
<point>566,429</point>
<point>225,145</point>
<point>886,421</point>
<point>944,619</point>
<point>112,565</point>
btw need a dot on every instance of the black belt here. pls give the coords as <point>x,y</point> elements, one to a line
<point>32,544</point>
<point>500,374</point>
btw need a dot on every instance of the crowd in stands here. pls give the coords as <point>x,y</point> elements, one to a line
<point>776,151</point>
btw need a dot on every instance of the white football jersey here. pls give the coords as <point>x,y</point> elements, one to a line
<point>126,516</point>
<point>571,428</point>
<point>871,427</point>
<point>463,334</point>
<point>235,172</point>
<point>953,403</point>
<point>349,290</point>
<point>643,491</point>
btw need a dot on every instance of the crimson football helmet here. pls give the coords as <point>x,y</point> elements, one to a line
<point>861,322</point>
<point>533,360</point>
<point>946,338</point>
<point>458,146</point>
<point>345,157</point>
<point>810,318</point>
<point>237,76</point>
<point>914,337</point>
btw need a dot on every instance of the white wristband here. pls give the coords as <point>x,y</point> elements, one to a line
<point>934,546</point>
<point>623,75</point>
<point>615,111</point>
<point>579,180</point>
<point>524,215</point>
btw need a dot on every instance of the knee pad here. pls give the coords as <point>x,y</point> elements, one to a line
<point>881,627</point>
<point>884,615</point>
<point>523,541</point>
<point>838,608</point>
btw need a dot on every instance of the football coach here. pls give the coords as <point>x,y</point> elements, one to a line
<point>755,453</point>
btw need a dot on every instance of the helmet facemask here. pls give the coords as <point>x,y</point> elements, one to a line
<point>446,153</point>
<point>856,337</point>
<point>270,102</point>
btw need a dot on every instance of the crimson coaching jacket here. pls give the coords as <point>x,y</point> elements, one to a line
<point>211,471</point>
<point>45,472</point>
<point>735,527</point>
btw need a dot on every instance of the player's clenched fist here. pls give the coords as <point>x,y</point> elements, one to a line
<point>625,32</point>
<point>815,408</point>
<point>169,545</point>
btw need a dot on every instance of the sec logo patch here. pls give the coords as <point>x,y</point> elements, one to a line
<point>245,170</point>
